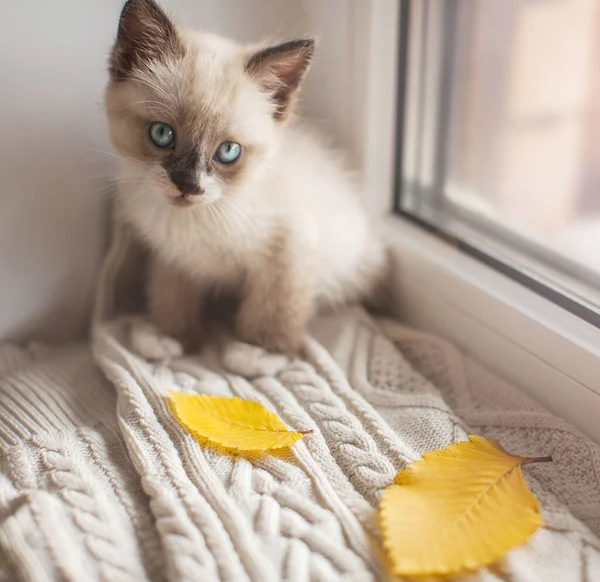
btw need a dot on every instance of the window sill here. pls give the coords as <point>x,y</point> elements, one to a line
<point>549,353</point>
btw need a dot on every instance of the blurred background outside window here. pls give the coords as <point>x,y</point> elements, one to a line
<point>501,133</point>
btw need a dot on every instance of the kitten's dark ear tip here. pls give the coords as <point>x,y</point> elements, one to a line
<point>280,69</point>
<point>132,4</point>
<point>311,43</point>
<point>308,47</point>
<point>292,56</point>
<point>307,44</point>
<point>145,8</point>
<point>145,34</point>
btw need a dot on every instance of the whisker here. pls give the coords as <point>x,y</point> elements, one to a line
<point>233,220</point>
<point>121,157</point>
<point>127,202</point>
<point>114,184</point>
<point>313,119</point>
<point>104,189</point>
<point>218,209</point>
<point>110,176</point>
<point>221,220</point>
<point>149,102</point>
<point>227,227</point>
<point>240,216</point>
<point>214,218</point>
<point>146,82</point>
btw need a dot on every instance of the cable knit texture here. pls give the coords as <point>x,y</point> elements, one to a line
<point>98,481</point>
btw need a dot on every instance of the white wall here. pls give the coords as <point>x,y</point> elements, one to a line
<point>52,180</point>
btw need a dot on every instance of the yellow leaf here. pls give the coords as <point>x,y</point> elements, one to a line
<point>233,423</point>
<point>458,509</point>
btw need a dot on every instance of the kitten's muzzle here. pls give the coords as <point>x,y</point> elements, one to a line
<point>186,182</point>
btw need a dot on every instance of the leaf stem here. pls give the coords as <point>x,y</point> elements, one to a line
<point>547,459</point>
<point>306,431</point>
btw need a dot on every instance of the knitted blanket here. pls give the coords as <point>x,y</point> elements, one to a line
<point>98,481</point>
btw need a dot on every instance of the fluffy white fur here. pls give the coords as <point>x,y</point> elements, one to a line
<point>302,188</point>
<point>293,215</point>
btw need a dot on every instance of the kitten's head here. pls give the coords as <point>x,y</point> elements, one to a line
<point>196,117</point>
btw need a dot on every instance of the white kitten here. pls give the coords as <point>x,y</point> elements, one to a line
<point>230,194</point>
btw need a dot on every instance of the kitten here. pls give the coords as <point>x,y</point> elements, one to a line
<point>225,188</point>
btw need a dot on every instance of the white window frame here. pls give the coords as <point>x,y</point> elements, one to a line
<point>549,353</point>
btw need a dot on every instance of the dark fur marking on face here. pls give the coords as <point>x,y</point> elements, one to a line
<point>280,70</point>
<point>145,34</point>
<point>183,171</point>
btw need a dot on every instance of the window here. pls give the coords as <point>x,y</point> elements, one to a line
<point>500,137</point>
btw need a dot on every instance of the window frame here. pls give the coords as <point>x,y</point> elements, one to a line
<point>438,286</point>
<point>538,346</point>
<point>425,71</point>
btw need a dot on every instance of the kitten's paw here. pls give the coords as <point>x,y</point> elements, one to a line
<point>150,343</point>
<point>252,361</point>
<point>271,341</point>
<point>274,333</point>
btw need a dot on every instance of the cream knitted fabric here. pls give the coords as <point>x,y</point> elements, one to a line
<point>100,482</point>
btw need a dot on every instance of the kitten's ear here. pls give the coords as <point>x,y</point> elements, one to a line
<point>280,69</point>
<point>145,34</point>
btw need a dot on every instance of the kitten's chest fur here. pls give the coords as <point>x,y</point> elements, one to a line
<point>208,251</point>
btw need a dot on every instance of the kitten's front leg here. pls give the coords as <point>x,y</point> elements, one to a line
<point>175,305</point>
<point>279,297</point>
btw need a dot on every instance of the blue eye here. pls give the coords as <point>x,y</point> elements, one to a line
<point>228,152</point>
<point>162,134</point>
